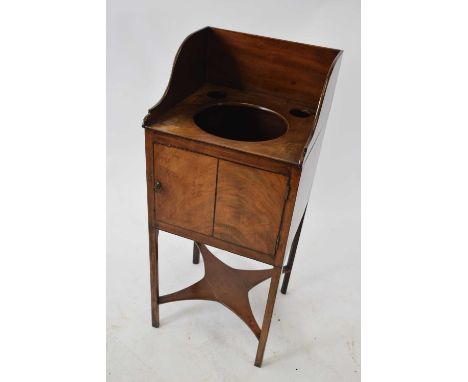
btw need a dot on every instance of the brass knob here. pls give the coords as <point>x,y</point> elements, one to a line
<point>157,186</point>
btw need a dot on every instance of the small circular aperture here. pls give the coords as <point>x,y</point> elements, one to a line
<point>216,94</point>
<point>300,113</point>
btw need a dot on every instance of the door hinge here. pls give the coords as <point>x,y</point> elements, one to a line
<point>277,242</point>
<point>288,189</point>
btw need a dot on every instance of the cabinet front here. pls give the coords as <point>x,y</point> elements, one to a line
<point>249,206</point>
<point>185,187</point>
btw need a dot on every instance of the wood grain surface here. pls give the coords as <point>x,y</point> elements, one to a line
<point>187,194</point>
<point>249,206</point>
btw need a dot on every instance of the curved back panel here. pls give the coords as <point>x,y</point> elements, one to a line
<point>283,68</point>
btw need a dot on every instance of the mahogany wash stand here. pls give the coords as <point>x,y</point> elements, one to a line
<point>231,152</point>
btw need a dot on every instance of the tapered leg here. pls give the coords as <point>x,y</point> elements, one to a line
<point>153,233</point>
<point>196,254</point>
<point>154,277</point>
<point>268,315</point>
<point>292,254</point>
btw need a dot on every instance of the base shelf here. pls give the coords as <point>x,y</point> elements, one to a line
<point>226,285</point>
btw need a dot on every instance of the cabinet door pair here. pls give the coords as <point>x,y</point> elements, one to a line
<point>239,204</point>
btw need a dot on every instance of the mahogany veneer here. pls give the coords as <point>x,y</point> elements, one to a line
<point>231,152</point>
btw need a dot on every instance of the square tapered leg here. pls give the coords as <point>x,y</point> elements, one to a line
<point>154,277</point>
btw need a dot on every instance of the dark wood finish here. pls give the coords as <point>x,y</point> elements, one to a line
<point>249,206</point>
<point>255,63</point>
<point>221,152</point>
<point>226,285</point>
<point>287,215</point>
<point>237,190</point>
<point>324,104</point>
<point>287,270</point>
<point>275,278</point>
<point>154,277</point>
<point>288,148</point>
<point>185,188</point>
<point>218,243</point>
<point>276,74</point>
<point>188,73</point>
<point>314,145</point>
<point>196,253</point>
<point>307,174</point>
<point>153,233</point>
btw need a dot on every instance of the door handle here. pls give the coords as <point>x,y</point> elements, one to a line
<point>157,186</point>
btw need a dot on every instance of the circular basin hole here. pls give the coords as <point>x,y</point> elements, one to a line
<point>300,113</point>
<point>215,94</point>
<point>241,122</point>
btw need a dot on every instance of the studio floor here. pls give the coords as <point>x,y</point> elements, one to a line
<point>314,334</point>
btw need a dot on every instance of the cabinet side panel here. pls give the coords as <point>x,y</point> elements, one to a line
<point>313,148</point>
<point>249,206</point>
<point>305,187</point>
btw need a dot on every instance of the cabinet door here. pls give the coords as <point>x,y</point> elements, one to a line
<point>185,186</point>
<point>249,206</point>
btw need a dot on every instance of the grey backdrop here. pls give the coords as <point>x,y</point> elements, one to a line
<point>315,334</point>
